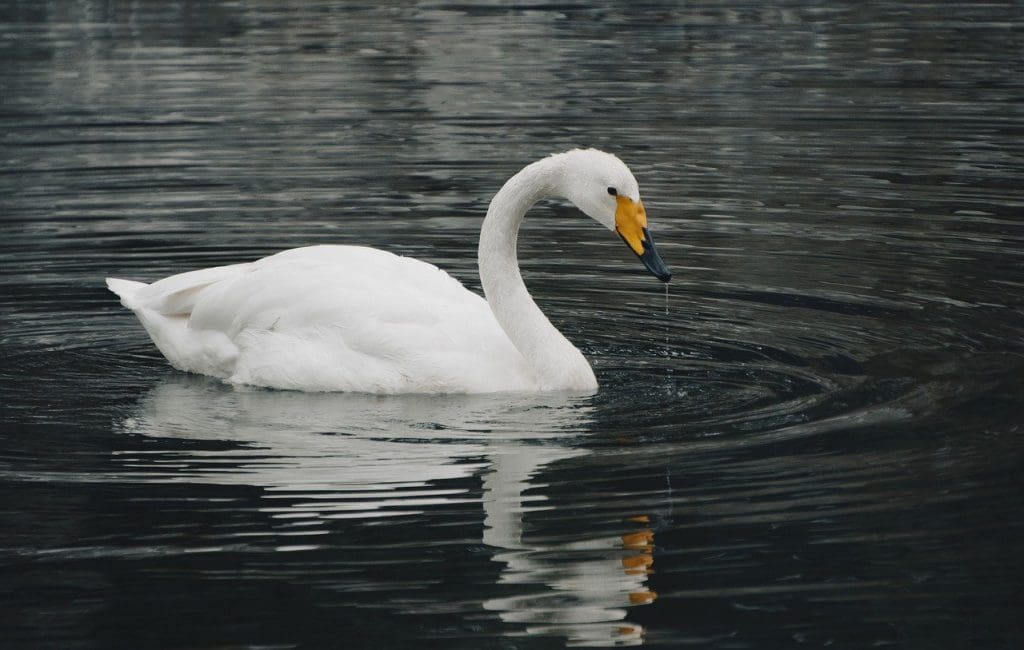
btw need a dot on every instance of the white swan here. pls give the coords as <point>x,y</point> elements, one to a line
<point>350,318</point>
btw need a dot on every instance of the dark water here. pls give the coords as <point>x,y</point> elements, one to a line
<point>819,443</point>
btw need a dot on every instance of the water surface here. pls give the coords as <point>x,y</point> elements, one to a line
<point>816,441</point>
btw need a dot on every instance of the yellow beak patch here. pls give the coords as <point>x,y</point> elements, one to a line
<point>630,221</point>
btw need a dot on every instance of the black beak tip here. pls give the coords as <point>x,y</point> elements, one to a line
<point>657,269</point>
<point>652,260</point>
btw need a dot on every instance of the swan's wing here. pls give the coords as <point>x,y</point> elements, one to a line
<point>175,295</point>
<point>353,318</point>
<point>318,286</point>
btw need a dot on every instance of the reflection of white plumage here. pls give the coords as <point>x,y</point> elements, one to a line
<point>408,455</point>
<point>347,318</point>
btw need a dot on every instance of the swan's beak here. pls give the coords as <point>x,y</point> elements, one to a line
<point>631,224</point>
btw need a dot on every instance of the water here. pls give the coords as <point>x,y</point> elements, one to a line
<point>816,443</point>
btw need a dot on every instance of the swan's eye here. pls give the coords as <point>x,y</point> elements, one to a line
<point>613,191</point>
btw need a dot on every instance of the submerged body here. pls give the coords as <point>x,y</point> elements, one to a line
<point>350,318</point>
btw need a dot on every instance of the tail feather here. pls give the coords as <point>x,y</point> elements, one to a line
<point>126,290</point>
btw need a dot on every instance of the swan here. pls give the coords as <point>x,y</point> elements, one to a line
<point>358,319</point>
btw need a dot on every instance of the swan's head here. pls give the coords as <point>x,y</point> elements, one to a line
<point>602,187</point>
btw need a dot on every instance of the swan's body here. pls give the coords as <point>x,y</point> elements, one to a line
<point>349,318</point>
<point>379,323</point>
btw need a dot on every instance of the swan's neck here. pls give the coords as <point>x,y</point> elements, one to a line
<point>554,361</point>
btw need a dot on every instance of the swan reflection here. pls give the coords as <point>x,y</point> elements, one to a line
<point>331,456</point>
<point>578,589</point>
